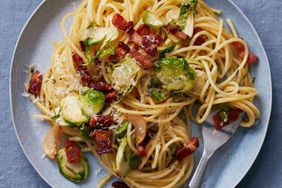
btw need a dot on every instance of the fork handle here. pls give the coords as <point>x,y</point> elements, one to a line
<point>200,171</point>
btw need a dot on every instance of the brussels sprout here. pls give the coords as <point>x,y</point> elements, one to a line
<point>121,131</point>
<point>125,75</point>
<point>94,35</point>
<point>122,158</point>
<point>92,102</point>
<point>71,112</point>
<point>151,19</point>
<point>187,16</point>
<point>175,74</point>
<point>74,172</point>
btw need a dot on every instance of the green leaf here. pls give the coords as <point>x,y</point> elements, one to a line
<point>223,116</point>
<point>134,161</point>
<point>167,50</point>
<point>85,131</point>
<point>157,94</point>
<point>185,10</point>
<point>122,129</point>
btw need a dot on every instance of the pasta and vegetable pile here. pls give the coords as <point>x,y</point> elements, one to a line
<point>127,77</point>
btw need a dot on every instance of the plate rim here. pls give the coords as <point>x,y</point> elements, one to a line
<point>229,1</point>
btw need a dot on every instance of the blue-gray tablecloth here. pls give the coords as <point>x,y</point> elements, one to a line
<point>266,15</point>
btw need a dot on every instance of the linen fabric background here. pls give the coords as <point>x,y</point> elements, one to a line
<point>266,16</point>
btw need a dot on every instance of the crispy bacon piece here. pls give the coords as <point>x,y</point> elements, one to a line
<point>121,50</point>
<point>176,31</point>
<point>122,24</point>
<point>188,148</point>
<point>150,43</point>
<point>82,46</point>
<point>111,97</point>
<point>143,60</point>
<point>239,47</point>
<point>252,58</point>
<point>103,141</point>
<point>119,184</point>
<point>101,86</point>
<point>141,150</point>
<point>73,152</point>
<point>101,121</point>
<point>35,84</point>
<point>144,30</point>
<point>233,115</point>
<point>201,39</point>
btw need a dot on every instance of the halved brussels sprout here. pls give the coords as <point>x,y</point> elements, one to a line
<point>175,74</point>
<point>71,111</point>
<point>125,75</point>
<point>92,102</point>
<point>74,172</point>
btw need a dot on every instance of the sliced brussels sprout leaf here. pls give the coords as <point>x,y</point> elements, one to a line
<point>134,161</point>
<point>71,111</point>
<point>92,102</point>
<point>186,17</point>
<point>73,172</point>
<point>151,19</point>
<point>167,50</point>
<point>175,74</point>
<point>122,158</point>
<point>85,131</point>
<point>122,129</point>
<point>125,75</point>
<point>157,94</point>
<point>94,35</point>
<point>106,51</point>
<point>172,14</point>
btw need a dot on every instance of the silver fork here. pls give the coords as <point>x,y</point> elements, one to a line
<point>213,140</point>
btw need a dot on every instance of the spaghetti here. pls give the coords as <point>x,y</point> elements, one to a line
<point>123,49</point>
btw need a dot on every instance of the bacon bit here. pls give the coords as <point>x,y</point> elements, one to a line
<point>143,60</point>
<point>149,40</point>
<point>101,121</point>
<point>188,148</point>
<point>150,43</point>
<point>233,115</point>
<point>175,30</point>
<point>239,47</point>
<point>119,184</point>
<point>141,150</point>
<point>252,58</point>
<point>105,120</point>
<point>111,97</point>
<point>82,46</point>
<point>93,122</point>
<point>201,39</point>
<point>35,84</point>
<point>144,30</point>
<point>121,50</point>
<point>103,141</point>
<point>73,152</point>
<point>52,141</point>
<point>101,86</point>
<point>122,24</point>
